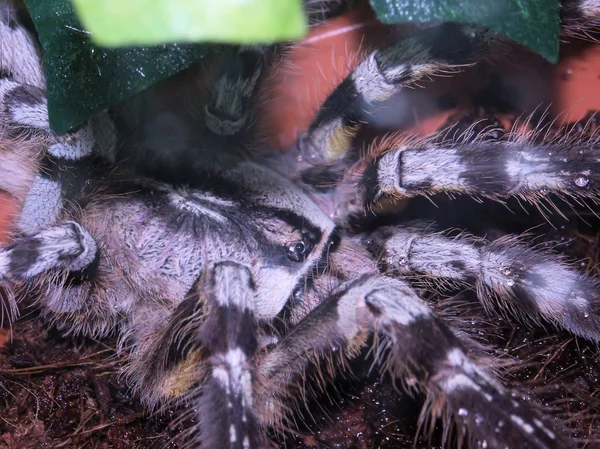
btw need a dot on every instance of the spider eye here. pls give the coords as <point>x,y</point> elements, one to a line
<point>297,252</point>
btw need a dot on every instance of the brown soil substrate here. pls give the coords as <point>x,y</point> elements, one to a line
<point>57,392</point>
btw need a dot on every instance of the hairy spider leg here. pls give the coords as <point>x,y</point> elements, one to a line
<point>229,335</point>
<point>232,83</point>
<point>519,166</point>
<point>385,72</point>
<point>38,168</point>
<point>415,348</point>
<point>231,86</point>
<point>66,246</point>
<point>527,282</point>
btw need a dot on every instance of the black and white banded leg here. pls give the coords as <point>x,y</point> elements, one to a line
<point>531,171</point>
<point>202,357</point>
<point>580,18</point>
<point>230,337</point>
<point>413,346</point>
<point>66,246</point>
<point>19,58</point>
<point>37,167</point>
<point>385,72</point>
<point>507,274</point>
<point>23,105</point>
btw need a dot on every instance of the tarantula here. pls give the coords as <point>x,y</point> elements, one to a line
<point>236,289</point>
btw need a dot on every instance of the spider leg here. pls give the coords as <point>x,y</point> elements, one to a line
<point>231,86</point>
<point>229,335</point>
<point>68,246</point>
<point>580,18</point>
<point>19,59</point>
<point>412,345</point>
<point>21,85</point>
<point>384,73</point>
<point>529,170</point>
<point>387,71</point>
<point>24,112</point>
<point>528,282</point>
<point>23,91</point>
<point>37,167</point>
<point>41,170</point>
<point>210,340</point>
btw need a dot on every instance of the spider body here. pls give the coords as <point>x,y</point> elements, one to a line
<point>234,287</point>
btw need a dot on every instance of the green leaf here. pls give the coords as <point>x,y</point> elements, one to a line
<point>533,23</point>
<point>133,22</point>
<point>84,79</point>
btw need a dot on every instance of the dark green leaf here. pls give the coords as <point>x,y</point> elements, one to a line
<point>533,23</point>
<point>84,79</point>
<point>147,22</point>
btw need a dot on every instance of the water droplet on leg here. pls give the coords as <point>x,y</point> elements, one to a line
<point>582,181</point>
